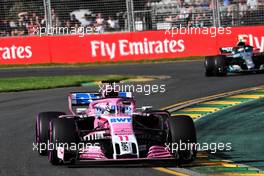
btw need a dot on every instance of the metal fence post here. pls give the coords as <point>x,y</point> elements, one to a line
<point>216,13</point>
<point>48,17</point>
<point>130,15</point>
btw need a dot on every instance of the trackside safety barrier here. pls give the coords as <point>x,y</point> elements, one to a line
<point>125,46</point>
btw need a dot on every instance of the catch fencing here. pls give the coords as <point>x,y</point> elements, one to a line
<point>100,16</point>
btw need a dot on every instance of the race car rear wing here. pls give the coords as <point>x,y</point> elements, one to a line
<point>226,50</point>
<point>246,48</point>
<point>125,94</point>
<point>77,99</point>
<point>80,99</point>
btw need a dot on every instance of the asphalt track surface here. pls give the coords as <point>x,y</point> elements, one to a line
<point>19,109</point>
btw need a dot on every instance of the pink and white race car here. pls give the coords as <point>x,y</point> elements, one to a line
<point>109,127</point>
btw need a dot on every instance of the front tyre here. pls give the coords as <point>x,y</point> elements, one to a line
<point>62,132</point>
<point>183,135</point>
<point>220,65</point>
<point>216,65</point>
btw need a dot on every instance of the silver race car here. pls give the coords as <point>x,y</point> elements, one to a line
<point>241,58</point>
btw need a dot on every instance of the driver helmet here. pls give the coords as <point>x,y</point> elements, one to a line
<point>241,42</point>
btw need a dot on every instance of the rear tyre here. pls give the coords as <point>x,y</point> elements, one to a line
<point>62,131</point>
<point>183,135</point>
<point>42,130</point>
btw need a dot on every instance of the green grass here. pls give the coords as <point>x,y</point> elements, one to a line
<point>48,82</point>
<point>14,66</point>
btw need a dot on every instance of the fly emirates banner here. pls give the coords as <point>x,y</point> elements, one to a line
<point>116,47</point>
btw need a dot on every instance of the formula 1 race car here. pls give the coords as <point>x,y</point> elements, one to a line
<point>109,128</point>
<point>242,58</point>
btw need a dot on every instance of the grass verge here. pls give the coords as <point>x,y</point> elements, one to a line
<point>99,63</point>
<point>47,82</point>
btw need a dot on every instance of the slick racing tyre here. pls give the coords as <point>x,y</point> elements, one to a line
<point>209,66</point>
<point>182,135</point>
<point>215,66</point>
<point>62,132</point>
<point>42,129</point>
